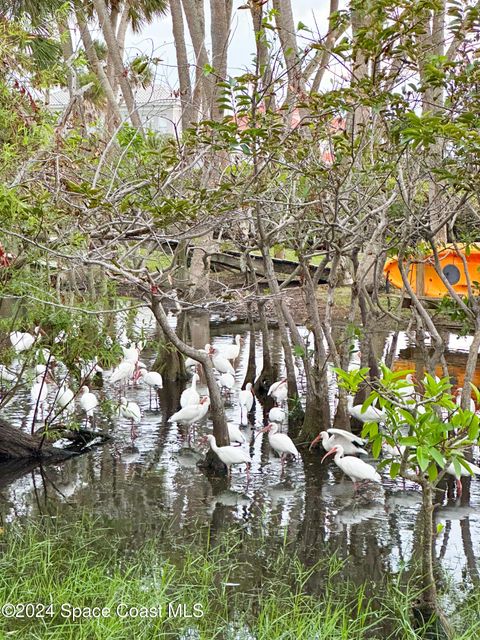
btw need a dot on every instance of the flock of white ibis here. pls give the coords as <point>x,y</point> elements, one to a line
<point>344,446</point>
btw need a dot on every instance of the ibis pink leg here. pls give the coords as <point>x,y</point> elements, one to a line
<point>459,488</point>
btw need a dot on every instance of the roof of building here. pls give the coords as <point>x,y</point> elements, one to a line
<point>148,96</point>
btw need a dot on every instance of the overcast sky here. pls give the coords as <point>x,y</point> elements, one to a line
<point>157,40</point>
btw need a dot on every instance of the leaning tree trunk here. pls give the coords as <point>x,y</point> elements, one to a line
<point>96,65</point>
<point>286,32</point>
<point>114,51</point>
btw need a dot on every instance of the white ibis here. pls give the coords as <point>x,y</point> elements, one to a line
<point>39,393</point>
<point>357,470</point>
<point>191,413</point>
<point>279,391</point>
<point>277,415</point>
<point>245,399</point>
<point>231,351</point>
<point>65,398</point>
<point>407,390</point>
<point>220,363</point>
<point>226,382</point>
<point>123,372</point>
<point>153,380</point>
<point>231,455</point>
<point>371,414</point>
<point>393,451</point>
<point>88,402</point>
<point>280,442</point>
<point>131,411</point>
<point>234,434</point>
<point>352,444</point>
<point>24,341</point>
<point>90,367</point>
<point>6,375</point>
<point>190,395</point>
<point>458,400</point>
<point>450,469</point>
<point>131,353</point>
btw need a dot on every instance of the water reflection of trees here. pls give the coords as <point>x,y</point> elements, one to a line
<point>133,488</point>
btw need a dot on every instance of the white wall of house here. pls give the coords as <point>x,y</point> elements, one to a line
<point>158,110</point>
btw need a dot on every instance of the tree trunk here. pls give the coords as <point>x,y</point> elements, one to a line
<point>252,351</point>
<point>266,377</point>
<point>286,32</point>
<point>428,611</point>
<point>263,66</point>
<point>220,33</point>
<point>432,43</point>
<point>96,65</point>
<point>120,72</point>
<point>202,93</point>
<point>185,85</point>
<point>217,410</point>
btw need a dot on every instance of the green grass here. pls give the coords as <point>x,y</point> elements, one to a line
<point>82,565</point>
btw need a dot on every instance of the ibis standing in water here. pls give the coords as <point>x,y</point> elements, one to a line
<point>230,455</point>
<point>219,362</point>
<point>190,395</point>
<point>123,372</point>
<point>371,414</point>
<point>231,351</point>
<point>279,391</point>
<point>280,442</point>
<point>352,444</point>
<point>131,411</point>
<point>245,399</point>
<point>357,470</point>
<point>88,402</point>
<point>65,398</point>
<point>464,473</point>
<point>226,382</point>
<point>191,414</point>
<point>153,380</point>
<point>234,434</point>
<point>277,415</point>
<point>39,393</point>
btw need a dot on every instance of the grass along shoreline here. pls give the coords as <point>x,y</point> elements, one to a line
<point>193,591</point>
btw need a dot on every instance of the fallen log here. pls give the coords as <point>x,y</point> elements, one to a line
<point>18,445</point>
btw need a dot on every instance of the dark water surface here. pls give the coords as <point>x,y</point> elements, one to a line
<point>131,487</point>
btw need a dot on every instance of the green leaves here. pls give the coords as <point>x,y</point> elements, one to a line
<point>432,428</point>
<point>423,458</point>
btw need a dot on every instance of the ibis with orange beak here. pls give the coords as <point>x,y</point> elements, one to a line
<point>357,470</point>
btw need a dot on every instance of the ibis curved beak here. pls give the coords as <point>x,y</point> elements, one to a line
<point>314,442</point>
<point>262,430</point>
<point>330,453</point>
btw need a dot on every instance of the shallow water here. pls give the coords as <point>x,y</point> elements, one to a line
<point>131,486</point>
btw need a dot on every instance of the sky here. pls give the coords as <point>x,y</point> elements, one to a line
<point>156,40</point>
